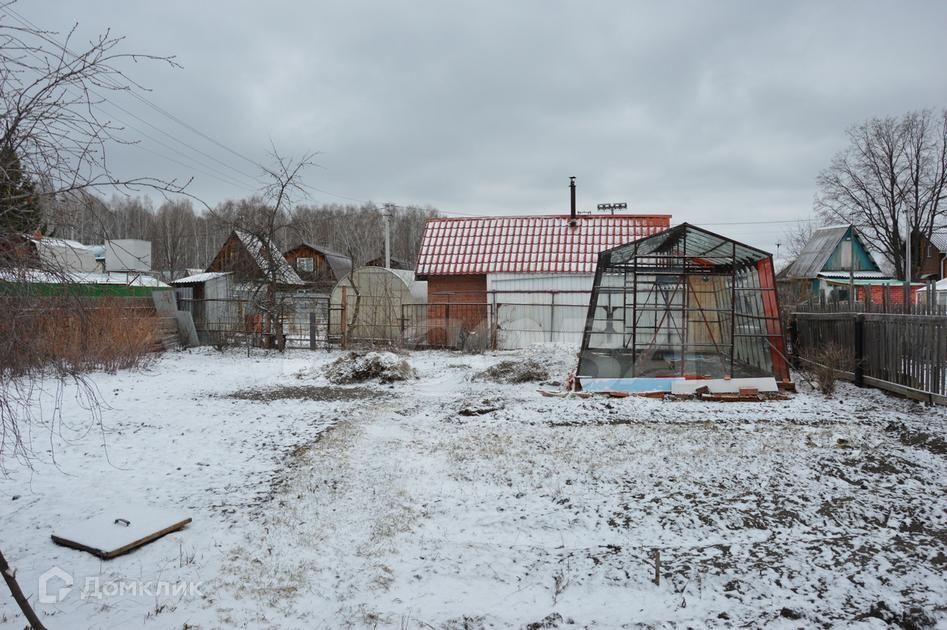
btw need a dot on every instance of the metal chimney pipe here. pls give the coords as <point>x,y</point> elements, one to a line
<point>572,196</point>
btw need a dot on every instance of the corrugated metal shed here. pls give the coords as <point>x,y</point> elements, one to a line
<point>531,244</point>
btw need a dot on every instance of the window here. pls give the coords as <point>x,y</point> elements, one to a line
<point>304,264</point>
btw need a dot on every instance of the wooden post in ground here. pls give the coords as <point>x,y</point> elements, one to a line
<point>657,567</point>
<point>344,329</point>
<point>794,342</point>
<point>859,350</point>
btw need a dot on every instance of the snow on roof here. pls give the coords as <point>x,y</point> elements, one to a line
<point>939,240</point>
<point>859,275</point>
<point>198,278</point>
<point>530,244</point>
<point>38,276</point>
<point>940,285</point>
<point>263,251</point>
<point>61,242</point>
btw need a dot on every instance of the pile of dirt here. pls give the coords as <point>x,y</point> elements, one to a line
<point>527,371</point>
<point>356,367</point>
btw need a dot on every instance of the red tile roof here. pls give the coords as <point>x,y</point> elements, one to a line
<point>532,244</point>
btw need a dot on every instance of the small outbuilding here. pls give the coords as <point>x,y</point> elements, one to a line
<point>683,304</point>
<point>375,305</point>
<point>207,296</point>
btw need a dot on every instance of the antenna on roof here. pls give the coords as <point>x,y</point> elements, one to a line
<point>612,207</point>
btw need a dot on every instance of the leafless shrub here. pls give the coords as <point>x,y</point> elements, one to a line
<point>824,366</point>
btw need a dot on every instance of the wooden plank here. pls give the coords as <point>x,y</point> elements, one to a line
<point>108,535</point>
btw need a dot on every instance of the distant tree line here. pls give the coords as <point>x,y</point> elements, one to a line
<point>183,238</point>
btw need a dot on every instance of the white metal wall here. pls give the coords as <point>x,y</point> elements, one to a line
<point>539,308</point>
<point>127,255</point>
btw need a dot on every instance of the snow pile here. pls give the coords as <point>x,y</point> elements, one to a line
<point>517,371</point>
<point>354,367</point>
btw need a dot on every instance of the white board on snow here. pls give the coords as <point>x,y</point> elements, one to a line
<point>118,531</point>
<point>724,385</point>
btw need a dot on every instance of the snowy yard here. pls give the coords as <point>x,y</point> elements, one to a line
<point>323,506</point>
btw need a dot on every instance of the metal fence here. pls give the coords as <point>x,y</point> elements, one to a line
<point>489,325</point>
<point>300,321</point>
<point>905,354</point>
<point>312,322</point>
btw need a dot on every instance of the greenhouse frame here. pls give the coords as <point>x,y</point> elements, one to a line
<point>684,303</point>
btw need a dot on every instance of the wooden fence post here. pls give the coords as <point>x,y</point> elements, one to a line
<point>859,350</point>
<point>794,342</point>
<point>312,330</point>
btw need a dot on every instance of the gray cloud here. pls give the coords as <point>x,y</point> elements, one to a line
<point>714,112</point>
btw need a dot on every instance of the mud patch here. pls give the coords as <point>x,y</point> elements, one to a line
<point>307,392</point>
<point>918,439</point>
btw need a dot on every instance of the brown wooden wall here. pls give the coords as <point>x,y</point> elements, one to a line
<point>446,322</point>
<point>321,275</point>
<point>455,289</point>
<point>235,258</point>
<point>931,260</point>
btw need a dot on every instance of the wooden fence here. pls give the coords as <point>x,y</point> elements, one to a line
<point>905,354</point>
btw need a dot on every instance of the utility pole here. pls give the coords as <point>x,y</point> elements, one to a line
<point>387,218</point>
<point>907,262</point>
<point>851,266</point>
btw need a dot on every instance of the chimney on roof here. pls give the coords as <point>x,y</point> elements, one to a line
<point>572,219</point>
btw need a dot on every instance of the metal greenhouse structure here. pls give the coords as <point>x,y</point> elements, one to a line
<point>684,303</point>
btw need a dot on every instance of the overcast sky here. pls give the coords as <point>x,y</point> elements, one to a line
<point>713,112</point>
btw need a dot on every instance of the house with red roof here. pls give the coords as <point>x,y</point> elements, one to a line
<point>525,279</point>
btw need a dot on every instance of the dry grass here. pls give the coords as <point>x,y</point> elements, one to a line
<point>73,336</point>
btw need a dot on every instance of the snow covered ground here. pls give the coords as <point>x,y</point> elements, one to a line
<point>323,506</point>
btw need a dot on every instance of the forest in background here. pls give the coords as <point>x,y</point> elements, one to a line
<point>184,238</point>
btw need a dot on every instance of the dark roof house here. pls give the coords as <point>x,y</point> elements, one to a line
<point>253,259</point>
<point>396,263</point>
<point>318,266</point>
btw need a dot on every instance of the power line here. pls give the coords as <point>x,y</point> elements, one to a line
<point>157,108</point>
<point>115,85</point>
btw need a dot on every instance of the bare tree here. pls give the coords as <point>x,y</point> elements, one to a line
<point>54,143</point>
<point>893,168</point>
<point>172,228</point>
<point>796,237</point>
<point>265,221</point>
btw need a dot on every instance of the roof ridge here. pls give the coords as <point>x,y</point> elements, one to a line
<point>649,215</point>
